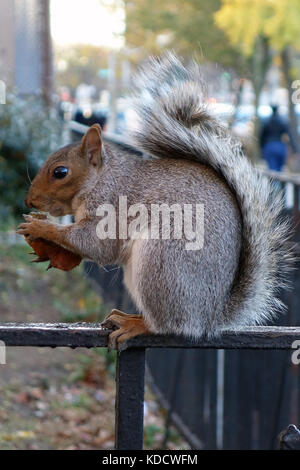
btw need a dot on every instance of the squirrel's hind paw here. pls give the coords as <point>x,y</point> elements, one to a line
<point>125,327</point>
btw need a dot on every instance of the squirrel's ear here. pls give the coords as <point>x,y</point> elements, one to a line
<point>92,145</point>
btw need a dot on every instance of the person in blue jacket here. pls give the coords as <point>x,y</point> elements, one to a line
<point>274,149</point>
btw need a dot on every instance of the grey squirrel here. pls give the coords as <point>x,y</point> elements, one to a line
<point>233,279</point>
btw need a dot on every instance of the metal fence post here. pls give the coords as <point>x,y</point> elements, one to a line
<point>130,389</point>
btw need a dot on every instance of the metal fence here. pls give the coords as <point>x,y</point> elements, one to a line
<point>130,371</point>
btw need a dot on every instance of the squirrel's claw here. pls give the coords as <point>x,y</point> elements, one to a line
<point>38,260</point>
<point>128,326</point>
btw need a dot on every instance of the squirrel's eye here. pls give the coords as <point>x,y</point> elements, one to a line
<point>60,172</point>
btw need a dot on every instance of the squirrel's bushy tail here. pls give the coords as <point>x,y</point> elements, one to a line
<point>176,123</point>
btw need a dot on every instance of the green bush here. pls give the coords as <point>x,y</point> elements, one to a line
<point>29,132</point>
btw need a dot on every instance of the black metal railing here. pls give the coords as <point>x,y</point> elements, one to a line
<point>130,369</point>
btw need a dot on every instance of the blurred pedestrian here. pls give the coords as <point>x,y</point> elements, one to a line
<point>273,141</point>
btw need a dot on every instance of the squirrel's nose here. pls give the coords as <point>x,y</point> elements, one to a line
<point>28,202</point>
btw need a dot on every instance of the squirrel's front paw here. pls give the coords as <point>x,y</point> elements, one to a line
<point>33,227</point>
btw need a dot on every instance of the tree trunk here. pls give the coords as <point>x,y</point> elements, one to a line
<point>286,67</point>
<point>46,51</point>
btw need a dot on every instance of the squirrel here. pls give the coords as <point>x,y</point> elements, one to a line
<point>232,280</point>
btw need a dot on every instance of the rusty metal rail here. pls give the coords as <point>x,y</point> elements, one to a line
<point>130,370</point>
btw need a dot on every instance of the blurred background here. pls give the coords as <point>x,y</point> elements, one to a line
<point>66,64</point>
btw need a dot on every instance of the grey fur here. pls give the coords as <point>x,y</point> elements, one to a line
<point>233,280</point>
<point>175,123</point>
